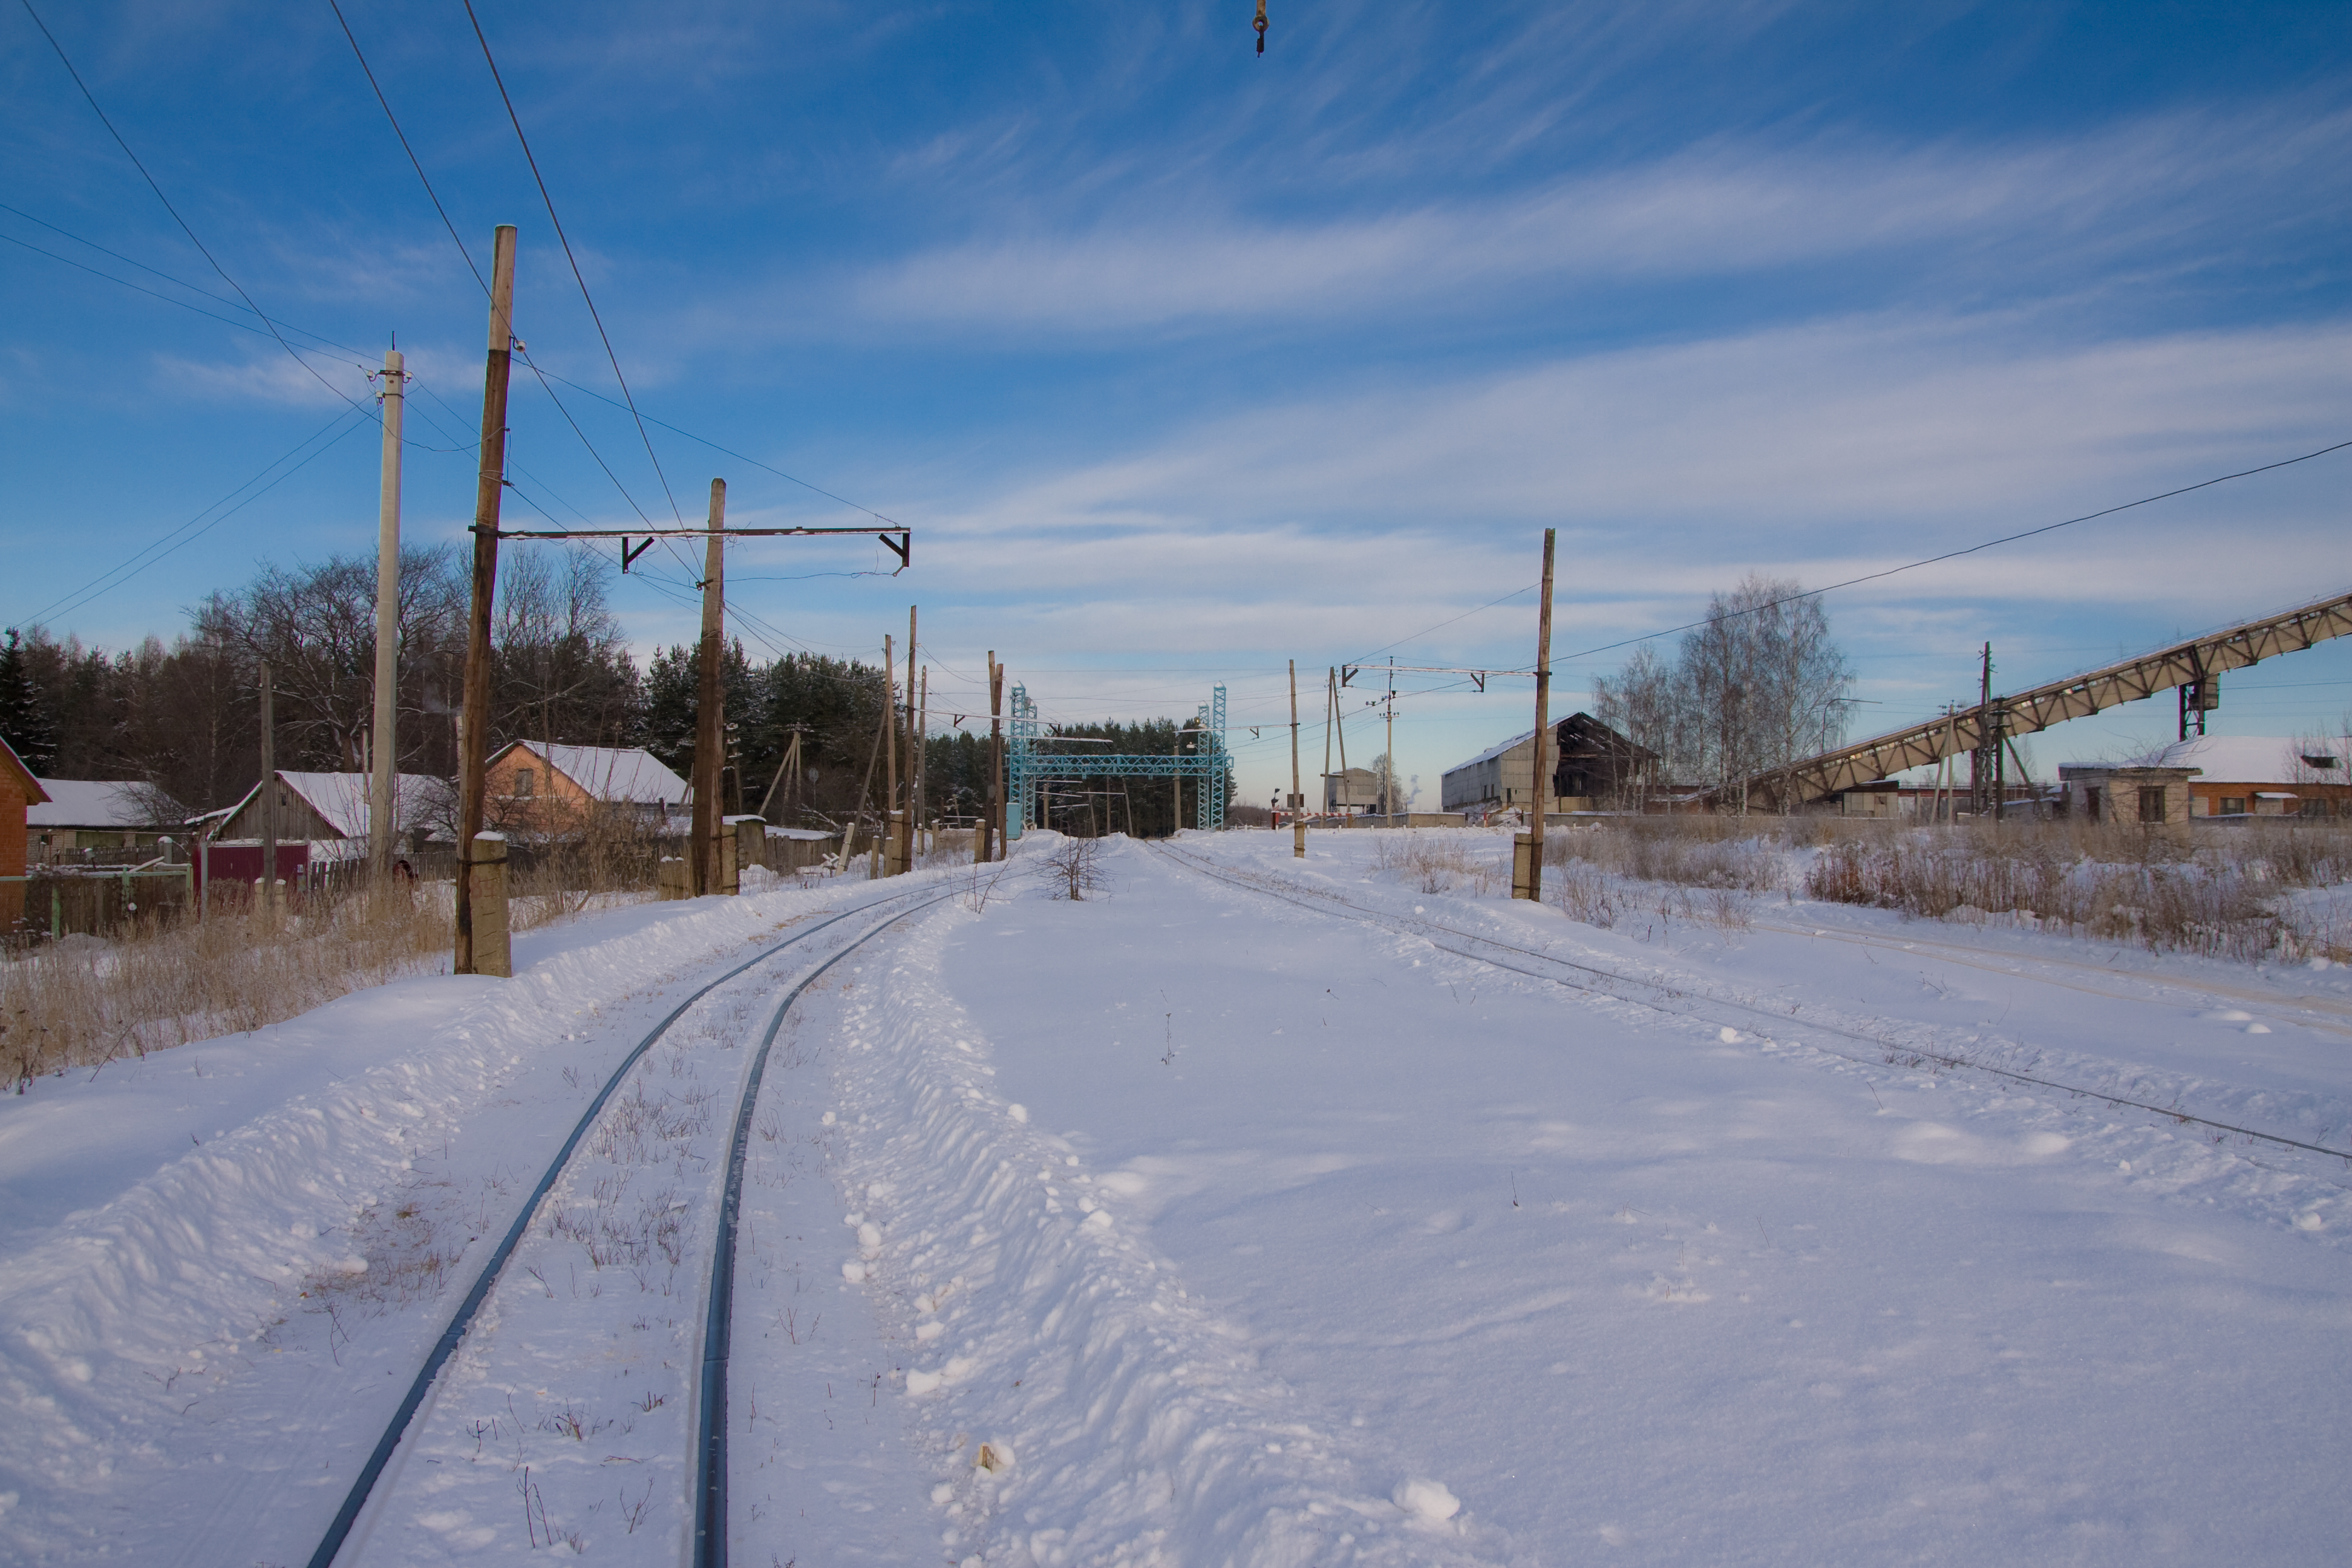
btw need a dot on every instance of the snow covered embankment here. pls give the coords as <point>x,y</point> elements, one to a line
<point>161,1367</point>
<point>1078,1403</point>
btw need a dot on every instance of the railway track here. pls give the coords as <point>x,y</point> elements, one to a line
<point>1595,980</point>
<point>708,1548</point>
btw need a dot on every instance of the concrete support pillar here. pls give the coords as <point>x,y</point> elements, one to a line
<point>493,942</point>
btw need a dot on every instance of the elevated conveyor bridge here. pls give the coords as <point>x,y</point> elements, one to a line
<point>2193,667</point>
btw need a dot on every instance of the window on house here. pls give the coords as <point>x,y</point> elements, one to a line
<point>2315,808</point>
<point>2151,803</point>
<point>2311,762</point>
<point>523,781</point>
<point>2234,806</point>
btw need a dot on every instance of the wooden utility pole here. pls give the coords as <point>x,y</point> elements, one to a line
<point>922,800</point>
<point>474,713</point>
<point>906,802</point>
<point>1298,798</point>
<point>789,770</point>
<point>383,825</point>
<point>268,793</point>
<point>991,819</point>
<point>710,701</point>
<point>1530,884</point>
<point>889,749</point>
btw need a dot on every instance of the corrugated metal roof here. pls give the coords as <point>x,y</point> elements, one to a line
<point>92,802</point>
<point>2255,758</point>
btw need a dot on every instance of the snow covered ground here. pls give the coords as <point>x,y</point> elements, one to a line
<point>1227,1216</point>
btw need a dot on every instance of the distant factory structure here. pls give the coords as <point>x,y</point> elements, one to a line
<point>1594,769</point>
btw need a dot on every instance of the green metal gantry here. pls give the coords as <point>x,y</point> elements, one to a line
<point>1208,763</point>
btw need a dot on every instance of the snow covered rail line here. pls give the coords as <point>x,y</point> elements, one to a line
<point>1661,997</point>
<point>709,1530</point>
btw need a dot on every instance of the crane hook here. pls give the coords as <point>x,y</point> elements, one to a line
<point>1260,25</point>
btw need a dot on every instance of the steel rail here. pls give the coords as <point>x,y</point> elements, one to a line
<point>717,1326</point>
<point>340,1529</point>
<point>1782,1021</point>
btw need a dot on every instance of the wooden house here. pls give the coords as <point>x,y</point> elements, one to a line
<point>19,792</point>
<point>333,811</point>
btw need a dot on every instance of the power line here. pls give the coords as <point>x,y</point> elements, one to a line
<point>369,71</point>
<point>209,315</point>
<point>185,229</point>
<point>577,276</point>
<point>115,576</point>
<point>741,457</point>
<point>1970,550</point>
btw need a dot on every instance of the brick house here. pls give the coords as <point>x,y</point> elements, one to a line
<point>535,788</point>
<point>2264,775</point>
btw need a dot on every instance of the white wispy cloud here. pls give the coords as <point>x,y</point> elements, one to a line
<point>1724,208</point>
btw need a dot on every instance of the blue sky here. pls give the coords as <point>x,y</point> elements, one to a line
<point>1182,363</point>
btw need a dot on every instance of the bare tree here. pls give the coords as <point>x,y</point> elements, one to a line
<point>1758,685</point>
<point>1074,869</point>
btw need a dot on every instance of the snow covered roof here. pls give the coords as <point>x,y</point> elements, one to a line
<point>2255,758</point>
<point>93,803</point>
<point>610,772</point>
<point>1491,753</point>
<point>342,799</point>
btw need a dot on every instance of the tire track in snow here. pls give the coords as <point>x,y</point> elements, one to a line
<point>1666,999</point>
<point>1077,1404</point>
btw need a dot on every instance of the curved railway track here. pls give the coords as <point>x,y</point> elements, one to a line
<point>1665,998</point>
<point>709,1541</point>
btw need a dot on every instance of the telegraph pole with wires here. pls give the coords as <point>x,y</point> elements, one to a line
<point>709,704</point>
<point>474,715</point>
<point>1529,881</point>
<point>1388,779</point>
<point>889,749</point>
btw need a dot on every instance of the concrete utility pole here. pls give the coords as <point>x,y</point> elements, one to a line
<point>711,700</point>
<point>1530,883</point>
<point>268,793</point>
<point>1330,712</point>
<point>474,715</point>
<point>1298,799</point>
<point>384,826</point>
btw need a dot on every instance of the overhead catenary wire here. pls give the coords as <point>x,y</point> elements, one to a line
<point>565,240</point>
<point>186,228</point>
<point>197,526</point>
<point>413,161</point>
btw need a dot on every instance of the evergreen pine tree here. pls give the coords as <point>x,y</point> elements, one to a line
<point>25,719</point>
